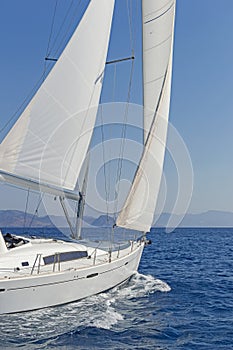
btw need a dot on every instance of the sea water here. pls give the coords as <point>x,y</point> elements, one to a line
<point>181,298</point>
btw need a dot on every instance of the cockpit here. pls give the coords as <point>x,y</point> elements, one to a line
<point>13,241</point>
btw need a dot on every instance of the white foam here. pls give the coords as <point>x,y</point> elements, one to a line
<point>101,311</point>
<point>108,319</point>
<point>142,285</point>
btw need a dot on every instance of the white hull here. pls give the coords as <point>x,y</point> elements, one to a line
<point>30,291</point>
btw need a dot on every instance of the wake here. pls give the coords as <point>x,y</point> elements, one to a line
<point>103,311</point>
<point>141,285</point>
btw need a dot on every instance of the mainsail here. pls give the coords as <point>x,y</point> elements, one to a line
<point>48,143</point>
<point>158,30</point>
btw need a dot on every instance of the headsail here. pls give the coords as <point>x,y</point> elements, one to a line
<point>158,19</point>
<point>48,143</point>
<point>158,28</point>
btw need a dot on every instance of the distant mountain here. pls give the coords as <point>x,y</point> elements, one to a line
<point>17,218</point>
<point>211,218</point>
<point>104,221</point>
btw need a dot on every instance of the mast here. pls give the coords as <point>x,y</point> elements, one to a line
<point>81,202</point>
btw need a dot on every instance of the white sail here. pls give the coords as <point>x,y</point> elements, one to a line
<point>48,143</point>
<point>138,210</point>
<point>157,18</point>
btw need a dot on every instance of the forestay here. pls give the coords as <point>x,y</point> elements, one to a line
<point>48,143</point>
<point>158,30</point>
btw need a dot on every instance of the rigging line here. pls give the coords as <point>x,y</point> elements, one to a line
<point>29,95</point>
<point>132,23</point>
<point>129,12</point>
<point>60,29</point>
<point>40,80</point>
<point>50,35</point>
<point>37,84</point>
<point>158,105</point>
<point>136,27</point>
<point>111,131</point>
<point>42,77</point>
<point>68,28</point>
<point>104,160</point>
<point>138,170</point>
<point>107,179</point>
<point>76,143</point>
<point>51,30</point>
<point>122,146</point>
<point>24,103</point>
<point>36,211</point>
<point>114,83</point>
<point>123,134</point>
<point>86,116</point>
<point>26,208</point>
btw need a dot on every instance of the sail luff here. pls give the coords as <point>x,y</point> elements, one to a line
<point>143,95</point>
<point>50,140</point>
<point>157,24</point>
<point>138,210</point>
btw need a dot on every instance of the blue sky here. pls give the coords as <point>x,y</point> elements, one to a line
<point>202,100</point>
<point>202,93</point>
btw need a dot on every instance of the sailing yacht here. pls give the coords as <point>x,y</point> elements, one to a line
<point>46,148</point>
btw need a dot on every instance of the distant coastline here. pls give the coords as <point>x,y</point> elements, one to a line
<point>17,218</point>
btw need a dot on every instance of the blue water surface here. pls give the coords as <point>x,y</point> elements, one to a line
<point>180,299</point>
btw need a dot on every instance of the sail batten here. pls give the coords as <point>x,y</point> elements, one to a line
<point>138,210</point>
<point>49,141</point>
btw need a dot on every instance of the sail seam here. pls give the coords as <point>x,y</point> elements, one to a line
<point>40,172</point>
<point>161,8</point>
<point>28,166</point>
<point>55,100</point>
<point>64,162</point>
<point>156,79</point>
<point>36,136</point>
<point>161,15</point>
<point>159,44</point>
<point>87,113</point>
<point>93,90</point>
<point>88,84</point>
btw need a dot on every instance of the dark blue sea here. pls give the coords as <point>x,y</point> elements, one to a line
<point>181,298</point>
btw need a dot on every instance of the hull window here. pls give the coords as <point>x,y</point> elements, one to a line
<point>66,256</point>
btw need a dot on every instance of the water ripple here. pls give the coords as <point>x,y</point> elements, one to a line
<point>187,306</point>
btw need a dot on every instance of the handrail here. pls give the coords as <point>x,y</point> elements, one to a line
<point>57,260</point>
<point>38,257</point>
